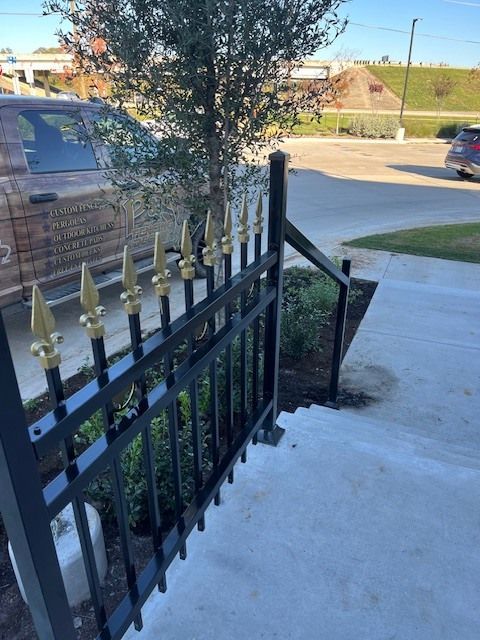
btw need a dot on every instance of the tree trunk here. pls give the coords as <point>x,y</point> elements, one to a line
<point>215,187</point>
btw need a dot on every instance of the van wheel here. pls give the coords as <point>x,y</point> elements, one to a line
<point>198,244</point>
<point>464,175</point>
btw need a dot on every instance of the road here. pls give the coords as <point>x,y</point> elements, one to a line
<point>340,190</point>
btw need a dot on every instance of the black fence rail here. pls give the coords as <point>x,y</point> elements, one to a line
<point>212,374</point>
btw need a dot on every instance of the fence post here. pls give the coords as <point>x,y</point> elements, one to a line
<point>339,337</point>
<point>25,514</point>
<point>277,211</point>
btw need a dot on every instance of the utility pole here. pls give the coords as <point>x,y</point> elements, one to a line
<point>415,20</point>
<point>73,10</point>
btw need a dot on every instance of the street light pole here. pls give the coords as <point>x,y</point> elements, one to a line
<point>415,20</point>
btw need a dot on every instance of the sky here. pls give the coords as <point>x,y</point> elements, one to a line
<point>452,23</point>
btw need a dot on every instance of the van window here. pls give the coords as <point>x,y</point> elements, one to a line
<point>125,142</point>
<point>55,141</point>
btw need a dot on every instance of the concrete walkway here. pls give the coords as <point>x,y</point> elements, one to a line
<point>363,524</point>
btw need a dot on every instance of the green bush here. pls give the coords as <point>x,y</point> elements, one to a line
<point>374,126</point>
<point>100,491</point>
<point>309,299</point>
<point>451,130</point>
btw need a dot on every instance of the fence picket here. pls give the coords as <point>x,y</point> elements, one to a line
<point>162,289</point>
<point>227,250</point>
<point>187,271</point>
<point>132,305</point>
<point>43,327</point>
<point>95,329</point>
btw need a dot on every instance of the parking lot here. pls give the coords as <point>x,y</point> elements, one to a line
<point>340,190</point>
<point>343,190</point>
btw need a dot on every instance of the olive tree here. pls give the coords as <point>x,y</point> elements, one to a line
<point>442,87</point>
<point>213,73</point>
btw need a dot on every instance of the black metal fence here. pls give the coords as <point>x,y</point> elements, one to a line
<point>235,362</point>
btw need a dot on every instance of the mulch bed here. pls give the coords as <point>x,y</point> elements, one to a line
<point>301,383</point>
<point>306,381</point>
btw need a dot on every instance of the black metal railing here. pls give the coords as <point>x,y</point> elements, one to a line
<point>238,349</point>
<point>342,277</point>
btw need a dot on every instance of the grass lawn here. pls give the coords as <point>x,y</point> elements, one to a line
<point>464,97</point>
<point>416,126</point>
<point>451,242</point>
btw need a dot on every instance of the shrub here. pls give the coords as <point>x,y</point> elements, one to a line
<point>451,130</point>
<point>100,491</point>
<point>309,299</point>
<point>374,126</point>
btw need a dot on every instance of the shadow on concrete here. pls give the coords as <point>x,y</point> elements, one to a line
<point>429,172</point>
<point>327,207</point>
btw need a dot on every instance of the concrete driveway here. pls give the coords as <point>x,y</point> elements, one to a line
<point>341,190</point>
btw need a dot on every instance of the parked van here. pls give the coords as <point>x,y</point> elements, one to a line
<point>59,206</point>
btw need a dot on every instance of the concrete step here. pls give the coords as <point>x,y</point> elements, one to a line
<point>380,436</point>
<point>402,431</point>
<point>321,538</point>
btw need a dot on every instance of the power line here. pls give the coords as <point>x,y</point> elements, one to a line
<point>419,35</point>
<point>16,13</point>
<point>467,4</point>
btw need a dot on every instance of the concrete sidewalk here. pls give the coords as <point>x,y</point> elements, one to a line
<point>363,524</point>
<point>417,352</point>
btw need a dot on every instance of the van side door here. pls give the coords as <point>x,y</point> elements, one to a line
<point>69,216</point>
<point>10,281</point>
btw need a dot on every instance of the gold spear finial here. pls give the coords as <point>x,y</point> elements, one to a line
<point>131,296</point>
<point>258,223</point>
<point>186,264</point>
<point>43,327</point>
<point>227,240</point>
<point>243,236</point>
<point>209,252</point>
<point>160,279</point>
<point>89,299</point>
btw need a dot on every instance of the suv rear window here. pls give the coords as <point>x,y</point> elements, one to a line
<point>468,136</point>
<point>55,141</point>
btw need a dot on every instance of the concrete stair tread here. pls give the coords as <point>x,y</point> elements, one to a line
<point>360,434</point>
<point>394,429</point>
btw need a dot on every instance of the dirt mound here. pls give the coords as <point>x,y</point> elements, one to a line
<point>359,97</point>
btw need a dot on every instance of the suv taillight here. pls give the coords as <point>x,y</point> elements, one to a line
<point>475,147</point>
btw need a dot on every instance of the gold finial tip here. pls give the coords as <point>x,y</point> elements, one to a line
<point>159,258</point>
<point>258,222</point>
<point>227,240</point>
<point>186,242</point>
<point>43,327</point>
<point>259,205</point>
<point>89,299</point>
<point>209,257</point>
<point>160,279</point>
<point>131,296</point>
<point>227,227</point>
<point>244,210</point>
<point>187,269</point>
<point>243,227</point>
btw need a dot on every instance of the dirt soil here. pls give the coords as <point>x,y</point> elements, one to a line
<point>301,383</point>
<point>359,97</point>
<point>306,381</point>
